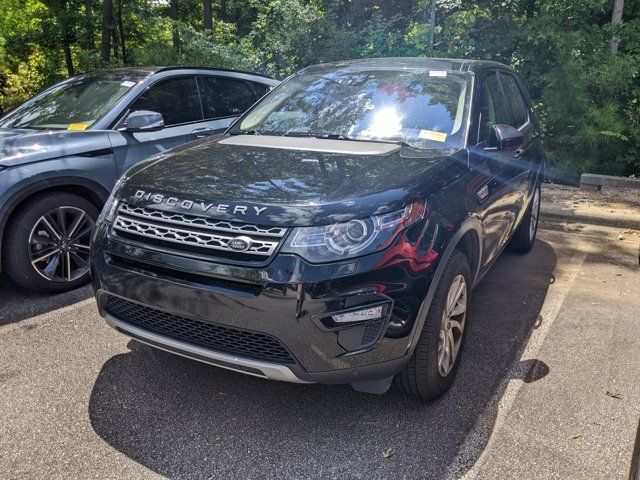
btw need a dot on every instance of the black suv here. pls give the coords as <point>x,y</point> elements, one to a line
<point>335,232</point>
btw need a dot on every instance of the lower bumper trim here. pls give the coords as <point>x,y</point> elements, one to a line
<point>256,368</point>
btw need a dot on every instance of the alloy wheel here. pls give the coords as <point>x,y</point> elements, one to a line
<point>452,328</point>
<point>59,244</point>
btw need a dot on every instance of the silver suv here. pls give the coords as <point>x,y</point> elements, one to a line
<point>62,151</point>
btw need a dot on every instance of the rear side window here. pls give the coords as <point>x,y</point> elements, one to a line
<point>176,99</point>
<point>225,97</point>
<point>514,96</point>
<point>495,109</point>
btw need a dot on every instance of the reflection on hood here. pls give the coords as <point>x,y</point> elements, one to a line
<point>303,183</point>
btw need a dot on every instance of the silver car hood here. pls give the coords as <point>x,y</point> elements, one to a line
<point>20,146</point>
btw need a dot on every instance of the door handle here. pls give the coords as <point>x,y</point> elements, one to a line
<point>204,132</point>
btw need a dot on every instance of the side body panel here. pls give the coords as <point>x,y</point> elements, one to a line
<point>503,179</point>
<point>132,147</point>
<point>97,174</point>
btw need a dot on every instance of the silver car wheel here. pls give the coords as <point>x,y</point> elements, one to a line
<point>452,328</point>
<point>59,244</point>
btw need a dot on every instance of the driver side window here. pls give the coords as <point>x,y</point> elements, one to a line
<point>495,109</point>
<point>177,99</point>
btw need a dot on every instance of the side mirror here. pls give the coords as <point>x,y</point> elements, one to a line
<point>505,137</point>
<point>144,121</point>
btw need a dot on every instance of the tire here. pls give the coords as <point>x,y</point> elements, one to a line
<point>423,376</point>
<point>525,235</point>
<point>45,228</point>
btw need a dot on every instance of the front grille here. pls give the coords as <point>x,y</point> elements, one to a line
<point>196,233</point>
<point>220,338</point>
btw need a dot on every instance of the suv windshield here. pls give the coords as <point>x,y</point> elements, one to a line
<point>426,109</point>
<point>72,105</point>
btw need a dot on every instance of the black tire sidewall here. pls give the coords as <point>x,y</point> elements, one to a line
<point>421,376</point>
<point>521,242</point>
<point>457,265</point>
<point>16,261</point>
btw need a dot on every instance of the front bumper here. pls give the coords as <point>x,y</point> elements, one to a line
<point>289,300</point>
<point>257,368</point>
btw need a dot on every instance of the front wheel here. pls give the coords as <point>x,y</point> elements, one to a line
<point>436,358</point>
<point>47,243</point>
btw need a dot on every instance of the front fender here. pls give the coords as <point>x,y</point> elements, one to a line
<point>471,223</point>
<point>95,174</point>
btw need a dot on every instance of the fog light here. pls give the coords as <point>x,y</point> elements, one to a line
<point>359,315</point>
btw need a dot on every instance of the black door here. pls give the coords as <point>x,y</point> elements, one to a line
<point>499,173</point>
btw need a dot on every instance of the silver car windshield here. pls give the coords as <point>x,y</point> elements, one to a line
<point>424,108</point>
<point>72,105</point>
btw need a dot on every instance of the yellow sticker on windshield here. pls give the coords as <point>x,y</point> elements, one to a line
<point>77,126</point>
<point>433,135</point>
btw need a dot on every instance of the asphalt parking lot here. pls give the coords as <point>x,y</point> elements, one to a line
<point>549,387</point>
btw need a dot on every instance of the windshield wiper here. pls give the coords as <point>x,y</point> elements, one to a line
<point>332,136</point>
<point>248,132</point>
<point>401,143</point>
<point>323,136</point>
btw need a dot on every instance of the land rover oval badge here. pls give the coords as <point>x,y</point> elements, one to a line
<point>239,244</point>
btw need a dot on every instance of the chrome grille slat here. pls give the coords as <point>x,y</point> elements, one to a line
<point>201,222</point>
<point>194,231</point>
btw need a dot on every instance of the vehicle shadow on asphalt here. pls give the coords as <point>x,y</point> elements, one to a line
<point>17,303</point>
<point>184,419</point>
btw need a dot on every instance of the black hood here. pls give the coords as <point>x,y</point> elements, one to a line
<point>299,181</point>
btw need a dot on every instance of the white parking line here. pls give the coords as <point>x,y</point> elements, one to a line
<point>472,453</point>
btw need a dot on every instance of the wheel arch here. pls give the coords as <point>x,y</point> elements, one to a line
<point>467,239</point>
<point>88,189</point>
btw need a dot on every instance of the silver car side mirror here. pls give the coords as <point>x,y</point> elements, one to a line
<point>144,121</point>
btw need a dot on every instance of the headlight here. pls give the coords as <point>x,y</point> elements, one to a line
<point>109,210</point>
<point>350,239</point>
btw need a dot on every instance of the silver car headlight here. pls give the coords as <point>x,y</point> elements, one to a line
<point>350,239</point>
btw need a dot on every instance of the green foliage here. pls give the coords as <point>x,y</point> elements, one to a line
<point>587,99</point>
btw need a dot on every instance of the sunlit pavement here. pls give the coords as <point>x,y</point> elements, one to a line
<point>549,387</point>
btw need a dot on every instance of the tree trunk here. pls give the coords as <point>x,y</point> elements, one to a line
<point>223,10</point>
<point>616,19</point>
<point>67,57</point>
<point>432,26</point>
<point>121,30</point>
<point>90,43</point>
<point>175,14</point>
<point>115,41</point>
<point>107,27</point>
<point>207,18</point>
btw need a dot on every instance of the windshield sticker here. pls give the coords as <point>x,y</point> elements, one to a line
<point>433,135</point>
<point>128,84</point>
<point>437,73</point>
<point>77,126</point>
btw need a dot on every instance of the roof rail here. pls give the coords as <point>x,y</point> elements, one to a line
<point>218,69</point>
